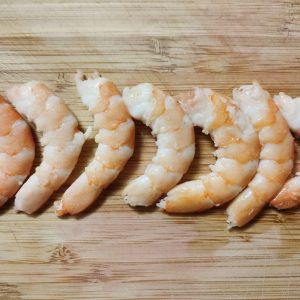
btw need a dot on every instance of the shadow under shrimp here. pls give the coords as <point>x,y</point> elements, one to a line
<point>7,206</point>
<point>203,156</point>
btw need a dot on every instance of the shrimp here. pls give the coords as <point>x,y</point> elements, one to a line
<point>16,151</point>
<point>237,153</point>
<point>175,140</point>
<point>289,196</point>
<point>290,109</point>
<point>276,156</point>
<point>60,136</point>
<point>115,140</point>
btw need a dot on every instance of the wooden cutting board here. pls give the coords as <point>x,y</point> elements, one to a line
<point>113,251</point>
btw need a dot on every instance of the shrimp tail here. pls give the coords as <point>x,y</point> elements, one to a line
<point>289,196</point>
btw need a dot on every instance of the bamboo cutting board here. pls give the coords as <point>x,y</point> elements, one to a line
<point>113,251</point>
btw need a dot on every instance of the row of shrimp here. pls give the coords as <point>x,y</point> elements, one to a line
<point>251,131</point>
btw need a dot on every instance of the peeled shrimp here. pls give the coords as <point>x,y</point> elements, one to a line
<point>289,196</point>
<point>16,151</point>
<point>175,140</point>
<point>115,138</point>
<point>61,138</point>
<point>276,156</point>
<point>237,153</point>
<point>290,109</point>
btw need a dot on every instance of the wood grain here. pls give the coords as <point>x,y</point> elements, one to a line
<point>113,251</point>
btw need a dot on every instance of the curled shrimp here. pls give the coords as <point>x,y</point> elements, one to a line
<point>237,153</point>
<point>276,156</point>
<point>175,140</point>
<point>289,196</point>
<point>115,138</point>
<point>61,138</point>
<point>16,151</point>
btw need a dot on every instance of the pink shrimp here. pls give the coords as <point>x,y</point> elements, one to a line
<point>115,140</point>
<point>289,196</point>
<point>237,153</point>
<point>175,141</point>
<point>276,156</point>
<point>16,151</point>
<point>61,138</point>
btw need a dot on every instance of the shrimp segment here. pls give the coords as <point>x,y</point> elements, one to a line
<point>61,138</point>
<point>237,153</point>
<point>16,151</point>
<point>175,141</point>
<point>115,138</point>
<point>276,157</point>
<point>289,196</point>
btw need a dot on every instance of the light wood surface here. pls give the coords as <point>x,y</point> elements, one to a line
<point>113,251</point>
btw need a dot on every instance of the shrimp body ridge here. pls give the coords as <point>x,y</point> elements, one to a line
<point>16,151</point>
<point>61,139</point>
<point>276,156</point>
<point>175,142</point>
<point>115,140</point>
<point>237,153</point>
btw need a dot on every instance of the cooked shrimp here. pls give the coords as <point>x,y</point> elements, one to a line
<point>289,196</point>
<point>61,138</point>
<point>237,153</point>
<point>175,140</point>
<point>115,138</point>
<point>16,151</point>
<point>290,109</point>
<point>276,156</point>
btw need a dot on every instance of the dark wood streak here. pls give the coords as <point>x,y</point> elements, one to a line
<point>9,292</point>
